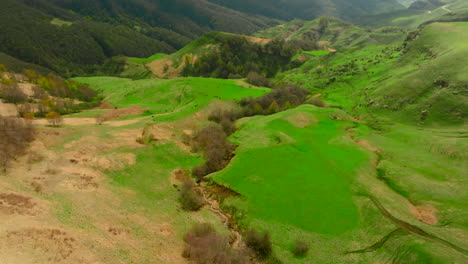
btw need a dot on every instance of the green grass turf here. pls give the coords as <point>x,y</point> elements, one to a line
<point>294,179</point>
<point>317,52</point>
<point>147,60</point>
<point>306,170</point>
<point>175,98</point>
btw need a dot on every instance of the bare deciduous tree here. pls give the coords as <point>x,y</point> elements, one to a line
<point>54,119</point>
<point>204,245</point>
<point>15,136</point>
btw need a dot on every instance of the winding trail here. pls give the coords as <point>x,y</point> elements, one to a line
<point>381,242</point>
<point>445,7</point>
<point>414,229</point>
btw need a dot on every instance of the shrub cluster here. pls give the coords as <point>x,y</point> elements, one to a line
<point>57,86</point>
<point>54,119</point>
<point>300,248</point>
<point>259,242</point>
<point>15,136</point>
<point>13,94</point>
<point>225,119</point>
<point>258,80</point>
<point>217,150</point>
<point>63,94</point>
<point>190,199</point>
<point>205,246</point>
<point>281,98</point>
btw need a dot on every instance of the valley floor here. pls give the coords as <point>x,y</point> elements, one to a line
<point>89,193</point>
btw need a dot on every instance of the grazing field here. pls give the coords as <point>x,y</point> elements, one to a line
<point>147,60</point>
<point>295,172</point>
<point>298,157</point>
<point>170,99</point>
<point>319,175</point>
<point>392,81</point>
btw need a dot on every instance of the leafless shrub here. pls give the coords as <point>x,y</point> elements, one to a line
<point>259,242</point>
<point>217,150</point>
<point>300,248</point>
<point>100,119</point>
<point>258,80</point>
<point>284,96</point>
<point>205,246</point>
<point>13,94</point>
<point>40,93</point>
<point>54,119</point>
<point>15,136</point>
<point>190,198</point>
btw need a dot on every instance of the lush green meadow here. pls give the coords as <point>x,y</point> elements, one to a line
<point>392,81</point>
<point>302,174</point>
<point>147,60</point>
<point>310,167</point>
<point>295,172</point>
<point>170,99</point>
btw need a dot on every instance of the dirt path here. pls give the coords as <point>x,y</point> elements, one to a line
<point>414,229</point>
<point>381,242</point>
<point>445,7</point>
<point>80,121</point>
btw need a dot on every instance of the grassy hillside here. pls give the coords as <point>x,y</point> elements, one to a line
<point>293,143</point>
<point>420,82</point>
<point>311,173</point>
<point>412,18</point>
<point>306,9</point>
<point>332,32</point>
<point>171,99</point>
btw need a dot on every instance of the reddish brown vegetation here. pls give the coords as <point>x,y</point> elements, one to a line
<point>217,150</point>
<point>13,94</point>
<point>281,98</point>
<point>190,199</point>
<point>205,246</point>
<point>15,136</point>
<point>259,242</point>
<point>258,80</point>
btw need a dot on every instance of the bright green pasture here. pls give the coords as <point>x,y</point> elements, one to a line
<point>299,176</point>
<point>422,84</point>
<point>317,52</point>
<point>294,179</point>
<point>170,99</point>
<point>147,60</point>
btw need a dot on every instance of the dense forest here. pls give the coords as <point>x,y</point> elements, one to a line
<point>74,37</point>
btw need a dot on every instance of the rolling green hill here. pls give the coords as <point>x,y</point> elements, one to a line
<point>306,9</point>
<point>412,17</point>
<point>332,32</point>
<point>347,190</point>
<point>421,81</point>
<point>169,99</point>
